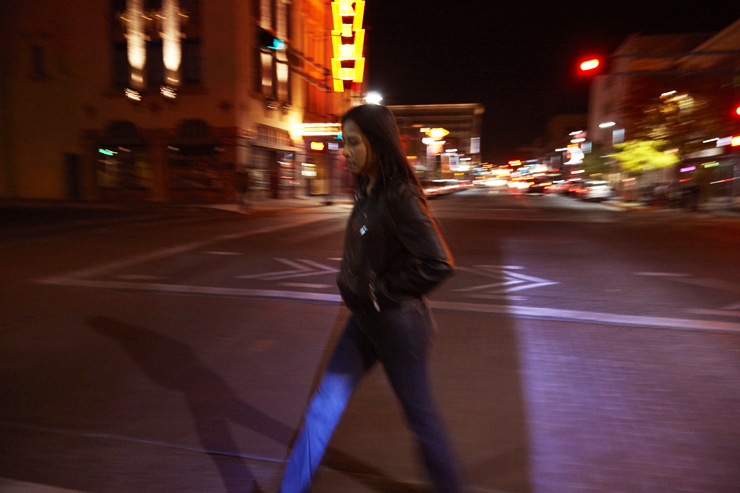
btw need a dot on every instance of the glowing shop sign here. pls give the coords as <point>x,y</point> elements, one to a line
<point>575,154</point>
<point>347,40</point>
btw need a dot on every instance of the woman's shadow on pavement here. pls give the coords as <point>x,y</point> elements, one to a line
<point>209,398</point>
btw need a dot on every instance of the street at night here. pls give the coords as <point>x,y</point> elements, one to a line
<point>580,347</point>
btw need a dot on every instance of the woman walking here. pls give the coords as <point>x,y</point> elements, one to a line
<point>393,256</point>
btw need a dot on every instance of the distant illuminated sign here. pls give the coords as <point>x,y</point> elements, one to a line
<point>434,148</point>
<point>317,146</point>
<point>318,129</point>
<point>438,133</point>
<point>574,154</point>
<point>347,40</point>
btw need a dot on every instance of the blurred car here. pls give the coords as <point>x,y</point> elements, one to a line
<point>450,186</point>
<point>539,185</point>
<point>430,187</point>
<point>519,184</point>
<point>595,190</point>
<point>573,188</point>
<point>559,186</point>
<point>491,182</point>
<point>434,188</point>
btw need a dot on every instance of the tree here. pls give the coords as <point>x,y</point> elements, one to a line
<point>683,112</point>
<point>595,162</point>
<point>638,156</point>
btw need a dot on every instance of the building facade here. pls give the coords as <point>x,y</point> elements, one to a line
<point>162,100</point>
<point>681,90</point>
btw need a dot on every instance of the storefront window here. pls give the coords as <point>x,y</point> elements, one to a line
<point>124,168</point>
<point>259,165</point>
<point>195,166</point>
<point>286,160</point>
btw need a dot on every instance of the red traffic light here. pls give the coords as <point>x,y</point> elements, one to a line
<point>589,65</point>
<point>737,110</point>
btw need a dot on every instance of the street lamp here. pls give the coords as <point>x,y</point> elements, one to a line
<point>373,98</point>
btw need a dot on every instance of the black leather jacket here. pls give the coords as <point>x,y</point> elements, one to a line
<point>393,252</point>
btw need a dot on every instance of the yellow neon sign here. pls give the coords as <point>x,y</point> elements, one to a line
<point>348,63</point>
<point>438,133</point>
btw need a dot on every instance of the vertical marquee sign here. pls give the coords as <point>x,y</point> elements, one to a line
<point>347,39</point>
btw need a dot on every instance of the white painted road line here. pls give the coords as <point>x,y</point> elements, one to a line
<point>13,486</point>
<point>305,285</point>
<point>730,287</point>
<point>721,313</point>
<point>661,274</point>
<point>504,278</point>
<point>138,277</point>
<point>197,290</point>
<point>300,270</point>
<point>591,317</point>
<point>98,270</point>
<point>297,268</point>
<point>511,311</point>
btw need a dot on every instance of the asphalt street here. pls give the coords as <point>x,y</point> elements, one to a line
<point>580,347</point>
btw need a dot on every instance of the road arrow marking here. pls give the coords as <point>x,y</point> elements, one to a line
<point>298,268</point>
<point>302,268</point>
<point>506,280</point>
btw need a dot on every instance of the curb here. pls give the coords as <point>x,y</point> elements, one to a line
<point>716,209</point>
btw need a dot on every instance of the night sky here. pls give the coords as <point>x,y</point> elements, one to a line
<point>517,58</point>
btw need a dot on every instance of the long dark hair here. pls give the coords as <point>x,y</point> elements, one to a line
<point>378,125</point>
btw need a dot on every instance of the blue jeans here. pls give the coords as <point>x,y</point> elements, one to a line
<point>399,338</point>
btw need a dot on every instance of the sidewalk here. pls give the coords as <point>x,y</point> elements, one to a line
<point>279,205</point>
<point>718,207</point>
<point>12,205</point>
